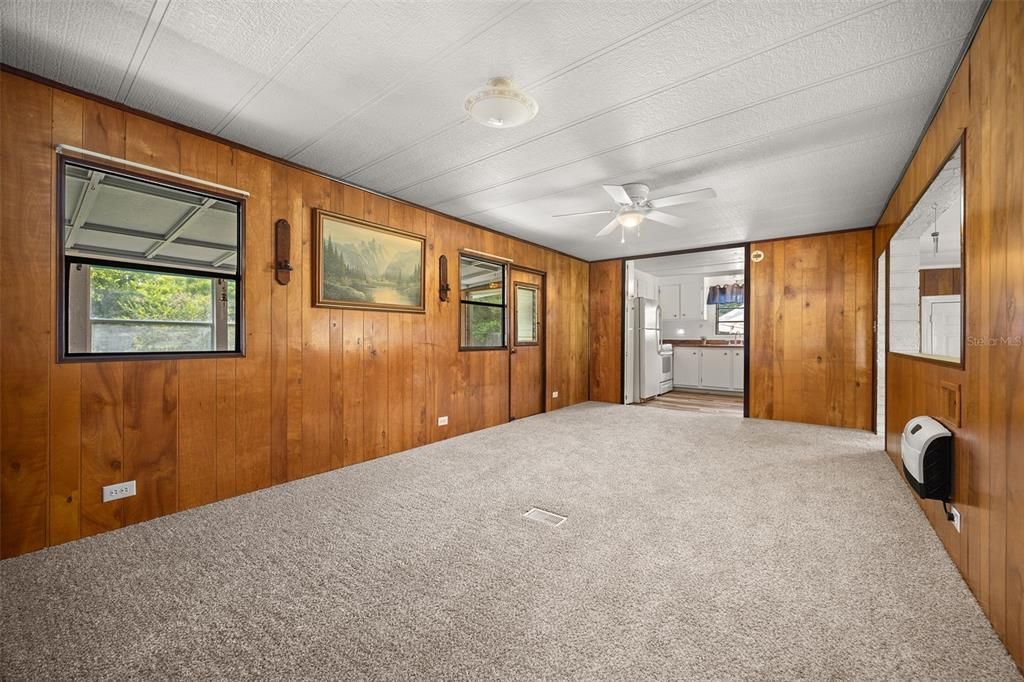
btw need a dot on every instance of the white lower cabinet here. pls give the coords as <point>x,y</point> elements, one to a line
<point>737,370</point>
<point>720,369</point>
<point>716,368</point>
<point>685,367</point>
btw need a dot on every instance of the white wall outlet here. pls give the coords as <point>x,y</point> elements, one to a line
<point>554,394</point>
<point>956,518</point>
<point>442,421</point>
<point>118,490</point>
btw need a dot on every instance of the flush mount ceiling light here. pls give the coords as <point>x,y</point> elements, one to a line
<point>500,104</point>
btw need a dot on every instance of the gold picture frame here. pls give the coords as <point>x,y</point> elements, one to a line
<point>361,265</point>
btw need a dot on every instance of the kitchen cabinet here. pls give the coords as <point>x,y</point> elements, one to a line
<point>685,366</point>
<point>719,369</point>
<point>692,299</point>
<point>668,299</point>
<point>737,369</point>
<point>716,368</point>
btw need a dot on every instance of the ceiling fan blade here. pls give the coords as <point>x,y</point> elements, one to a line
<point>609,228</point>
<point>618,193</point>
<point>684,198</point>
<point>570,215</point>
<point>665,219</point>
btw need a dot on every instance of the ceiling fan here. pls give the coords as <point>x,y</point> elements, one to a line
<point>634,207</point>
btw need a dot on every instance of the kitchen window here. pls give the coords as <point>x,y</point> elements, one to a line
<point>729,318</point>
<point>482,303</point>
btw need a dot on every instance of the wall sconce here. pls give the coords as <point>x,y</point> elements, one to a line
<point>442,277</point>
<point>282,251</point>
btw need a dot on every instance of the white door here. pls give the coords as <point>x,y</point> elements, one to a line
<point>737,370</point>
<point>940,316</point>
<point>668,297</point>
<point>880,337</point>
<point>716,368</point>
<point>686,367</point>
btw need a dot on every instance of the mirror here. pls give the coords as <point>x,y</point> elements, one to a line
<point>926,282</point>
<point>150,268</point>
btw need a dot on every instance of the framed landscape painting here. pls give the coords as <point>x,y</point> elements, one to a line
<point>367,266</point>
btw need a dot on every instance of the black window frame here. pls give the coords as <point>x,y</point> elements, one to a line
<point>503,305</point>
<point>65,262</point>
<point>718,321</point>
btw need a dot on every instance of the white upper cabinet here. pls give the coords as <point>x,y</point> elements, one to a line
<point>692,306</point>
<point>669,300</point>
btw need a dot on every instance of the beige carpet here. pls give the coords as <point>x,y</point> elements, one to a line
<point>696,547</point>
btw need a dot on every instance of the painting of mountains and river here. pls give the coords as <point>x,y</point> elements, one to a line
<point>368,266</point>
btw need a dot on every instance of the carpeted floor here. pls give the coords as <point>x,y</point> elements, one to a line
<point>696,547</point>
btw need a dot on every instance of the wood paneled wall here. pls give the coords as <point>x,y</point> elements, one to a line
<point>987,100</point>
<point>606,296</point>
<point>318,388</point>
<point>940,282</point>
<point>811,315</point>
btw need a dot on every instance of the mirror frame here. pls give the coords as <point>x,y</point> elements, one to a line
<point>62,265</point>
<point>961,144</point>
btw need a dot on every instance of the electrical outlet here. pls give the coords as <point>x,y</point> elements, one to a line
<point>442,421</point>
<point>118,491</point>
<point>554,394</point>
<point>956,518</point>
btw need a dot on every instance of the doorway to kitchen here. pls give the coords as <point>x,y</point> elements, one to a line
<point>684,331</point>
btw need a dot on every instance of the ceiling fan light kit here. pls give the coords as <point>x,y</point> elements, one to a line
<point>634,207</point>
<point>500,104</point>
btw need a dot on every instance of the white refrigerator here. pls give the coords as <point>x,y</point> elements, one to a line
<point>651,357</point>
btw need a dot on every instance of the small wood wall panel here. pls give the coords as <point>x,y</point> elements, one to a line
<point>606,328</point>
<point>987,99</point>
<point>810,311</point>
<point>318,388</point>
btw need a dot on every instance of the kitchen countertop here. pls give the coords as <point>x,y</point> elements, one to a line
<point>710,343</point>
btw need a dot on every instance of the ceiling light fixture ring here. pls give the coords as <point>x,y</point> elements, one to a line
<point>500,104</point>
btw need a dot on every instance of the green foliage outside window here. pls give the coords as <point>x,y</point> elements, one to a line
<point>138,295</point>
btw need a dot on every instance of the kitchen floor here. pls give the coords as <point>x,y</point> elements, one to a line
<point>692,401</point>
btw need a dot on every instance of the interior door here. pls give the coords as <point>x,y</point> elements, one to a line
<point>527,345</point>
<point>941,328</point>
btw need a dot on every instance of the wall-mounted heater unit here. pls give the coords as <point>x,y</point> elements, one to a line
<point>928,458</point>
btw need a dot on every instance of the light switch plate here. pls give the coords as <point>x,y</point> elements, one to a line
<point>442,421</point>
<point>118,491</point>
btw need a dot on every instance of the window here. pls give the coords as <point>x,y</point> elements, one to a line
<point>729,318</point>
<point>482,303</point>
<point>526,314</point>
<point>926,277</point>
<point>149,269</point>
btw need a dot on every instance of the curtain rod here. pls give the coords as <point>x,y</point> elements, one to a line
<point>62,148</point>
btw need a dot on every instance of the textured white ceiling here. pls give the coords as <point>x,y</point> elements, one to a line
<point>800,113</point>
<point>718,260</point>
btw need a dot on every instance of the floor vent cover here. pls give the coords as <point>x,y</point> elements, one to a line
<point>545,517</point>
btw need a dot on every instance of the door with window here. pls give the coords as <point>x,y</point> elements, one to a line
<point>526,356</point>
